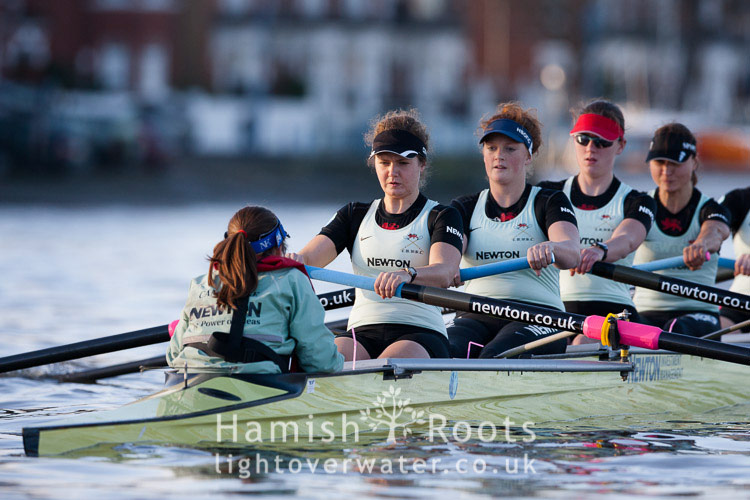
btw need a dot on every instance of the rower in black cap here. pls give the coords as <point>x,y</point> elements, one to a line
<point>688,223</point>
<point>402,238</point>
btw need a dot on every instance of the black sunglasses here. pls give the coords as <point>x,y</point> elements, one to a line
<point>600,143</point>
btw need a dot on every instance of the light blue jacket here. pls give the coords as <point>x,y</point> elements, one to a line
<point>283,313</point>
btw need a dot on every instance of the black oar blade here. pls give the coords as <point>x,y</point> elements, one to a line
<point>138,338</point>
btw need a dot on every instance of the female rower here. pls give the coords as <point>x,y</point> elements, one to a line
<point>737,202</point>
<point>253,310</point>
<point>512,219</point>
<point>613,218</point>
<point>401,238</point>
<point>688,223</point>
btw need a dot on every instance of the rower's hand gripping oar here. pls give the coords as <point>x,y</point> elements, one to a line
<point>632,334</point>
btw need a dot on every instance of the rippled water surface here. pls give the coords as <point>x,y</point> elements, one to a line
<point>71,274</point>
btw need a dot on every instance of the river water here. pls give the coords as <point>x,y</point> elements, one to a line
<point>76,273</point>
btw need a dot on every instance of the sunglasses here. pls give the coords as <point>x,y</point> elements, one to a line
<point>600,143</point>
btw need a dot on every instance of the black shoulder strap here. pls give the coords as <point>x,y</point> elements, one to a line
<point>237,330</point>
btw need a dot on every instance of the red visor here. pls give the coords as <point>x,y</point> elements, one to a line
<point>591,123</point>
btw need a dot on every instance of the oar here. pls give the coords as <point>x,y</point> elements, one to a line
<point>672,286</point>
<point>729,329</point>
<point>138,338</point>
<point>633,334</point>
<point>517,351</point>
<point>726,263</point>
<point>337,299</point>
<point>725,271</point>
<point>505,266</point>
<point>658,265</point>
<point>94,374</point>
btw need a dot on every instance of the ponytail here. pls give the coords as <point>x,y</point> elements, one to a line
<point>233,267</point>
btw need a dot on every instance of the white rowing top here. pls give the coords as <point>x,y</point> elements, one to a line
<point>661,246</point>
<point>741,243</point>
<point>491,240</point>
<point>379,250</point>
<point>597,225</point>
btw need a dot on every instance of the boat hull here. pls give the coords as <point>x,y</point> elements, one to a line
<point>220,411</point>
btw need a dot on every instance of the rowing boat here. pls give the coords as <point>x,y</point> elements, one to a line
<point>389,398</point>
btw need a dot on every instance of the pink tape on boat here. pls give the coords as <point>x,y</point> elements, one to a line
<point>633,334</point>
<point>172,326</point>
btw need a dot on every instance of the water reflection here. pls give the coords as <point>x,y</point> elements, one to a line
<point>72,274</point>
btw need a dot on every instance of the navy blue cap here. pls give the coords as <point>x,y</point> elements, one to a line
<point>509,128</point>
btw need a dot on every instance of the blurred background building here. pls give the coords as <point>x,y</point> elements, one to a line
<point>87,85</point>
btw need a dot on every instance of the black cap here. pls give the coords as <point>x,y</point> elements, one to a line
<point>400,142</point>
<point>674,146</point>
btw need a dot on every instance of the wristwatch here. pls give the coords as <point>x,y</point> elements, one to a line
<point>412,272</point>
<point>604,247</point>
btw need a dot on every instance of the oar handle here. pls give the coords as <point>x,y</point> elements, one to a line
<point>668,263</point>
<point>725,263</point>
<point>658,265</point>
<point>346,279</point>
<point>506,266</point>
<point>468,273</point>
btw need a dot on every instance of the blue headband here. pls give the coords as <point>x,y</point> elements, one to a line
<point>512,129</point>
<point>273,238</point>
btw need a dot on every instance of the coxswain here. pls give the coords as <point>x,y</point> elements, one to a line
<point>255,310</point>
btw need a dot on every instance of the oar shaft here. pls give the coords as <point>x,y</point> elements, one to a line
<point>633,334</point>
<point>652,337</point>
<point>699,347</point>
<point>673,286</point>
<point>729,329</point>
<point>517,351</point>
<point>139,338</point>
<point>94,374</point>
<point>461,301</point>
